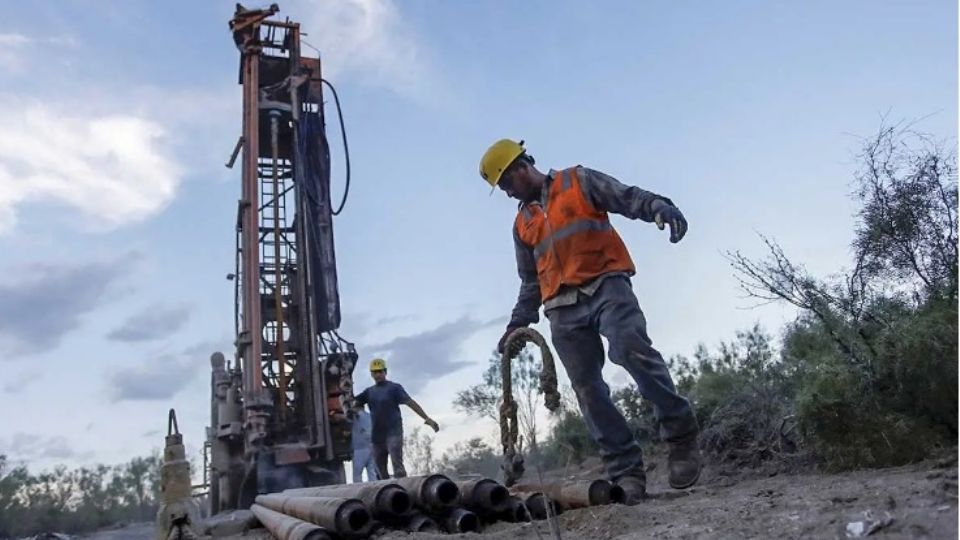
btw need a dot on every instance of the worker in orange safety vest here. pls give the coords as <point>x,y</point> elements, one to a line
<point>572,261</point>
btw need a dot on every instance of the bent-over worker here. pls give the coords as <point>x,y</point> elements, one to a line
<point>572,261</point>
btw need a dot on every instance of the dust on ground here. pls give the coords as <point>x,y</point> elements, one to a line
<point>921,500</point>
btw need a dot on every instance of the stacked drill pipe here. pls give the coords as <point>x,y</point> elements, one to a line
<point>348,518</point>
<point>458,520</point>
<point>422,504</point>
<point>571,495</point>
<point>516,511</point>
<point>431,493</point>
<point>421,523</point>
<point>386,500</point>
<point>485,497</point>
<point>537,502</point>
<point>284,527</point>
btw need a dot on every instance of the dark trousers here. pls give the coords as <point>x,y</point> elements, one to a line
<point>614,313</point>
<point>392,448</point>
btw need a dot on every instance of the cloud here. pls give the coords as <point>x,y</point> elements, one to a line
<point>12,47</point>
<point>371,40</point>
<point>17,50</point>
<point>153,323</point>
<point>357,325</point>
<point>112,168</point>
<point>18,383</point>
<point>161,376</point>
<point>416,359</point>
<point>38,310</point>
<point>29,447</point>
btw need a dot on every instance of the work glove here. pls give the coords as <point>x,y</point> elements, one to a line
<point>671,215</point>
<point>433,425</point>
<point>503,339</point>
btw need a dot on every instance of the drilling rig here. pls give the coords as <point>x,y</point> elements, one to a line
<point>279,412</point>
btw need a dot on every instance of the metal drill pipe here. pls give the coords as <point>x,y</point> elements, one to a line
<point>387,502</point>
<point>431,493</point>
<point>459,520</point>
<point>345,517</point>
<point>617,494</point>
<point>284,527</point>
<point>278,283</point>
<point>576,494</point>
<point>422,523</point>
<point>536,504</point>
<point>484,495</point>
<point>516,511</point>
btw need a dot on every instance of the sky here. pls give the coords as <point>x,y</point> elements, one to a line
<point>117,213</point>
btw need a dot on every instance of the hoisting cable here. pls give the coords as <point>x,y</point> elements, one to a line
<point>346,149</point>
<point>513,466</point>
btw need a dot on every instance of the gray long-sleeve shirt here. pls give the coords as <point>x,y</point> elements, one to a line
<point>605,193</point>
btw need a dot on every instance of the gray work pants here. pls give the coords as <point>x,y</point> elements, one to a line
<point>392,447</point>
<point>614,313</point>
<point>363,459</point>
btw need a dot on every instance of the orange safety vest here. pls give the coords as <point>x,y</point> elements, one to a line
<point>572,241</point>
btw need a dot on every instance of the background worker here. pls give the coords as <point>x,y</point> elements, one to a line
<point>572,261</point>
<point>385,398</point>
<point>362,447</point>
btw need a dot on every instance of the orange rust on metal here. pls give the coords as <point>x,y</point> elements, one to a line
<point>386,499</point>
<point>245,26</point>
<point>288,454</point>
<point>571,495</point>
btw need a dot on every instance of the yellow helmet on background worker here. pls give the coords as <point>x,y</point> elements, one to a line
<point>378,364</point>
<point>497,158</point>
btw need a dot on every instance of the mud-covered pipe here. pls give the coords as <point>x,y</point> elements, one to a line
<point>582,494</point>
<point>617,494</point>
<point>537,502</point>
<point>459,520</point>
<point>284,527</point>
<point>484,495</point>
<point>516,511</point>
<point>387,501</point>
<point>421,523</point>
<point>346,517</point>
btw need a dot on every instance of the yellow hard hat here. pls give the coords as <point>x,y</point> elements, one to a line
<point>497,158</point>
<point>378,364</point>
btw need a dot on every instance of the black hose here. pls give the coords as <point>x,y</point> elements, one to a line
<point>242,500</point>
<point>346,150</point>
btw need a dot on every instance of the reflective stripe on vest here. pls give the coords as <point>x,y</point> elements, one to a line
<point>543,247</point>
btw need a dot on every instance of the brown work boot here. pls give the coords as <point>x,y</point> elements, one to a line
<point>684,463</point>
<point>634,487</point>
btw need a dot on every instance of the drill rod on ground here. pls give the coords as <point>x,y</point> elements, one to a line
<point>345,517</point>
<point>284,527</point>
<point>386,500</point>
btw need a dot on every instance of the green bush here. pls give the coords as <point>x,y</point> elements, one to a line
<point>896,409</point>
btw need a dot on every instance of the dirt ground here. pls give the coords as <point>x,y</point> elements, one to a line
<point>914,501</point>
<point>921,499</point>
